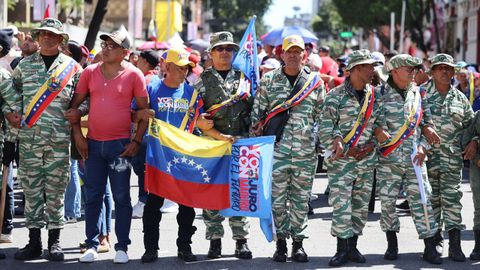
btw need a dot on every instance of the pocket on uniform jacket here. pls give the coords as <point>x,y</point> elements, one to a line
<point>457,115</point>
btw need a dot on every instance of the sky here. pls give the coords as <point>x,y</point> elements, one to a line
<point>284,8</point>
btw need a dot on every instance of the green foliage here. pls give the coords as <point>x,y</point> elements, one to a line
<point>328,20</point>
<point>70,4</point>
<point>11,4</point>
<point>234,15</point>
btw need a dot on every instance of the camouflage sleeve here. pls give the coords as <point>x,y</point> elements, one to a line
<point>328,129</point>
<point>10,90</point>
<point>261,102</point>
<point>427,115</point>
<point>198,85</point>
<point>317,110</point>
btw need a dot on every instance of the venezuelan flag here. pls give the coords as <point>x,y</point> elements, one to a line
<point>187,169</point>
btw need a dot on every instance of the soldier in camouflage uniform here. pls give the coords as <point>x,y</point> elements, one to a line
<point>472,134</point>
<point>217,84</point>
<point>295,157</point>
<point>452,114</point>
<point>5,44</point>
<point>350,168</point>
<point>44,148</point>
<point>398,97</point>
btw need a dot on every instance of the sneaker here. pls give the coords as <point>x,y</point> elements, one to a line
<point>70,220</point>
<point>138,210</point>
<point>6,238</point>
<point>169,207</point>
<point>89,256</point>
<point>120,257</point>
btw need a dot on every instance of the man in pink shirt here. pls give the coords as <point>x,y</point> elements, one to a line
<point>107,150</point>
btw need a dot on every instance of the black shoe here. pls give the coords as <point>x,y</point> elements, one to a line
<point>475,255</point>
<point>149,256</point>
<point>55,252</point>
<point>353,254</point>
<point>392,249</point>
<point>403,206</point>
<point>2,256</point>
<point>341,257</point>
<point>215,250</point>
<point>298,253</point>
<point>241,249</point>
<point>280,254</point>
<point>454,247</point>
<point>33,250</point>
<point>439,242</point>
<point>185,253</point>
<point>430,253</point>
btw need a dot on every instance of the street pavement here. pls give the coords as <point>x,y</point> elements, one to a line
<point>320,246</point>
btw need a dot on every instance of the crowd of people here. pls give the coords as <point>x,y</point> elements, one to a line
<point>387,123</point>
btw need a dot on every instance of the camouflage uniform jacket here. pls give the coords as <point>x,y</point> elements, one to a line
<point>27,78</point>
<point>396,110</point>
<point>233,120</point>
<point>298,139</point>
<point>452,114</point>
<point>340,112</point>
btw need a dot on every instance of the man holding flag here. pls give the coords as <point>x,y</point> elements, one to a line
<point>42,86</point>
<point>291,90</point>
<point>404,107</point>
<point>228,105</point>
<point>351,113</point>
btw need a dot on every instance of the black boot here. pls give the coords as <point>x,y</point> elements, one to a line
<point>475,255</point>
<point>298,253</point>
<point>215,250</point>
<point>430,254</point>
<point>185,253</point>
<point>353,254</point>
<point>280,254</point>
<point>392,249</point>
<point>241,249</point>
<point>55,252</point>
<point>454,247</point>
<point>341,257</point>
<point>149,256</point>
<point>184,240</point>
<point>439,242</point>
<point>33,249</point>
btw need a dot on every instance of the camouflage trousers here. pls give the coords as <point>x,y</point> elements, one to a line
<point>214,228</point>
<point>446,196</point>
<point>44,173</point>
<point>350,192</point>
<point>390,177</point>
<point>475,186</point>
<point>292,179</point>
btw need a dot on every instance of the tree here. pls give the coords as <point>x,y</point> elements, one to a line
<point>67,9</point>
<point>94,27</point>
<point>372,14</point>
<point>234,15</point>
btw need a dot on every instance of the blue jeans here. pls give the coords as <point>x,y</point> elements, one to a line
<point>103,163</point>
<point>73,193</point>
<point>138,165</point>
<point>9,200</point>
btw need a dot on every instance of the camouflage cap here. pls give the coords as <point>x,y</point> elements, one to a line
<point>221,38</point>
<point>402,60</point>
<point>360,57</point>
<point>442,59</point>
<point>52,25</point>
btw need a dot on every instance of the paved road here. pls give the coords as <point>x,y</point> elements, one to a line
<point>320,246</point>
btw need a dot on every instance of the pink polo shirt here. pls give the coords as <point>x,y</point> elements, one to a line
<point>110,101</point>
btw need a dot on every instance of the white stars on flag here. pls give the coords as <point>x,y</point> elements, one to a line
<point>190,163</point>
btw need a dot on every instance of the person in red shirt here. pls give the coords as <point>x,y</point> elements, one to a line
<point>107,150</point>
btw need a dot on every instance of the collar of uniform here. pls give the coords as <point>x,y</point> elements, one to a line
<point>349,87</point>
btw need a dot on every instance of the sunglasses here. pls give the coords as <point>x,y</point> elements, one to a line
<point>224,48</point>
<point>109,47</point>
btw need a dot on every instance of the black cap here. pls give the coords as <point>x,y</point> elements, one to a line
<point>152,57</point>
<point>76,50</point>
<point>324,49</point>
<point>6,40</point>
